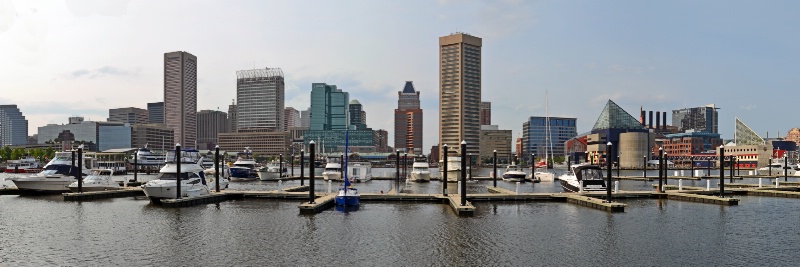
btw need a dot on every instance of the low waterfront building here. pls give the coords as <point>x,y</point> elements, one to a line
<point>96,135</point>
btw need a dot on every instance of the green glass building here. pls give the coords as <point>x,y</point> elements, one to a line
<point>330,117</point>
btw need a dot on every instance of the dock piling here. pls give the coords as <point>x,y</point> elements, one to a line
<point>303,166</point>
<point>216,168</point>
<point>517,191</point>
<point>721,171</point>
<point>444,169</point>
<point>616,186</point>
<point>178,171</point>
<point>608,172</point>
<point>280,186</point>
<point>680,184</point>
<point>759,182</point>
<point>311,156</point>
<point>329,186</point>
<point>463,173</point>
<point>708,185</point>
<point>494,168</point>
<point>80,169</point>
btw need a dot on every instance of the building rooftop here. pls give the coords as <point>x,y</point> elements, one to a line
<point>409,88</point>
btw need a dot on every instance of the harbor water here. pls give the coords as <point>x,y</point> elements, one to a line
<point>47,231</point>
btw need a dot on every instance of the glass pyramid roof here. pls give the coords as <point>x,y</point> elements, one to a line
<point>746,136</point>
<point>614,117</point>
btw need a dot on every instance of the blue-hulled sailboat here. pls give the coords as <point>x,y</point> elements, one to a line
<point>348,195</point>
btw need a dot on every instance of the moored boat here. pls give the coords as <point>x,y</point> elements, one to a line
<point>453,169</point>
<point>244,168</point>
<point>420,171</point>
<point>193,182</point>
<point>98,180</point>
<point>56,175</point>
<point>270,172</point>
<point>27,164</point>
<point>583,178</point>
<point>333,171</point>
<point>514,173</point>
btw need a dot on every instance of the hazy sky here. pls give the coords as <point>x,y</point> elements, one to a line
<point>59,59</point>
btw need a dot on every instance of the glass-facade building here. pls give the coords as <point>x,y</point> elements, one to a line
<point>330,117</point>
<point>13,126</point>
<point>105,135</point>
<point>535,137</point>
<point>699,119</point>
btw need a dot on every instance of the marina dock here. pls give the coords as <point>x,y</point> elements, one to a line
<point>125,192</point>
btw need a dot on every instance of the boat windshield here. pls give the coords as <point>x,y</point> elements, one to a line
<point>421,169</point>
<point>173,176</point>
<point>592,174</point>
<point>58,169</point>
<point>251,166</point>
<point>333,169</point>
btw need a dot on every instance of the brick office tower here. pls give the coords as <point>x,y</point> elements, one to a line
<point>408,120</point>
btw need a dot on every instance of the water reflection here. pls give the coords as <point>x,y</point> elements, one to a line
<point>346,209</point>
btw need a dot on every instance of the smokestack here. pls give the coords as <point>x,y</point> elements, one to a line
<point>651,119</point>
<point>642,116</point>
<point>664,117</point>
<point>658,120</point>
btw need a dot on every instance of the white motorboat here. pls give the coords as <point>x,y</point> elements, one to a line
<point>244,168</point>
<point>270,172</point>
<point>56,175</point>
<point>776,168</point>
<point>27,164</point>
<point>544,176</point>
<point>359,171</point>
<point>453,169</point>
<point>98,180</point>
<point>583,178</point>
<point>224,178</point>
<point>193,180</point>
<point>332,172</point>
<point>420,171</point>
<point>514,173</point>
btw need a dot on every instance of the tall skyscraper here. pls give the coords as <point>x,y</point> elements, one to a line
<point>13,126</point>
<point>291,118</point>
<point>130,115</point>
<point>260,99</point>
<point>356,113</point>
<point>408,120</point>
<point>209,124</point>
<point>232,118</point>
<point>459,91</point>
<point>180,96</point>
<point>536,140</point>
<point>329,107</point>
<point>155,112</point>
<point>305,118</point>
<point>486,113</point>
<point>701,119</point>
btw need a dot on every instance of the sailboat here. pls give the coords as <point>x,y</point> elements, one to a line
<point>546,175</point>
<point>348,195</point>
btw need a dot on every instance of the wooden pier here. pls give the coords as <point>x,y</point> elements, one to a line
<point>194,201</point>
<point>9,191</point>
<point>595,203</point>
<point>322,202</point>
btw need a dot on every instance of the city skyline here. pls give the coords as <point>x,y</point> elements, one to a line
<point>78,59</point>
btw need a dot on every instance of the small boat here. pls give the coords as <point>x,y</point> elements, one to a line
<point>776,168</point>
<point>193,181</point>
<point>348,195</point>
<point>420,171</point>
<point>583,178</point>
<point>514,173</point>
<point>224,178</point>
<point>270,172</point>
<point>98,180</point>
<point>244,168</point>
<point>359,171</point>
<point>333,171</point>
<point>28,164</point>
<point>543,176</point>
<point>56,175</point>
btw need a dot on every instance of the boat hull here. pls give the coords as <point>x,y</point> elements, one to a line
<point>514,177</point>
<point>267,175</point>
<point>421,177</point>
<point>39,186</point>
<point>169,192</point>
<point>545,176</point>
<point>776,172</point>
<point>335,176</point>
<point>74,189</point>
<point>453,176</point>
<point>348,200</point>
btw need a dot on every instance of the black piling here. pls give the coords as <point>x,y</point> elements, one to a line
<point>311,153</point>
<point>770,166</point>
<point>444,169</point>
<point>494,168</point>
<point>691,168</point>
<point>216,168</point>
<point>463,173</point>
<point>730,168</point>
<point>645,165</point>
<point>405,166</point>
<point>608,172</point>
<point>664,167</point>
<point>785,167</point>
<point>721,171</point>
<point>660,170</point>
<point>280,165</point>
<point>135,165</point>
<point>291,166</point>
<point>16,168</point>
<point>303,166</point>
<point>178,171</point>
<point>618,165</point>
<point>708,166</point>
<point>397,172</point>
<point>80,170</point>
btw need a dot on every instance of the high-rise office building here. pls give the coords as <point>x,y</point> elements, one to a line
<point>486,113</point>
<point>232,118</point>
<point>701,119</point>
<point>291,118</point>
<point>180,96</point>
<point>381,141</point>
<point>13,126</point>
<point>155,112</point>
<point>130,115</point>
<point>356,115</point>
<point>493,139</point>
<point>459,91</point>
<point>260,99</point>
<point>408,120</point>
<point>305,118</point>
<point>329,107</point>
<point>209,124</point>
<point>537,140</point>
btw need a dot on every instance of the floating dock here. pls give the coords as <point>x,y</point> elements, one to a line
<point>596,203</point>
<point>124,192</point>
<point>321,202</point>
<point>9,191</point>
<point>194,201</point>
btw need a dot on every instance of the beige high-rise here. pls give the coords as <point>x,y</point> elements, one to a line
<point>180,96</point>
<point>459,91</point>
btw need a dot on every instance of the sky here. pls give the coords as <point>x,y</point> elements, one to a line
<point>66,58</point>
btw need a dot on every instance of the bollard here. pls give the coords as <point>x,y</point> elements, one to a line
<point>459,187</point>
<point>681,172</point>
<point>777,183</point>
<point>616,186</point>
<point>675,173</point>
<point>280,185</point>
<point>517,188</point>
<point>749,172</point>
<point>329,186</point>
<point>759,182</point>
<point>680,184</point>
<point>580,190</point>
<point>708,185</point>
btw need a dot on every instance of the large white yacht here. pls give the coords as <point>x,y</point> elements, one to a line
<point>270,172</point>
<point>98,180</point>
<point>514,173</point>
<point>56,175</point>
<point>420,171</point>
<point>453,169</point>
<point>776,168</point>
<point>193,182</point>
<point>145,156</point>
<point>582,178</point>
<point>333,171</point>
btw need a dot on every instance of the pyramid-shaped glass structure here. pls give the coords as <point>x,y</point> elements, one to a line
<point>614,117</point>
<point>746,136</point>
